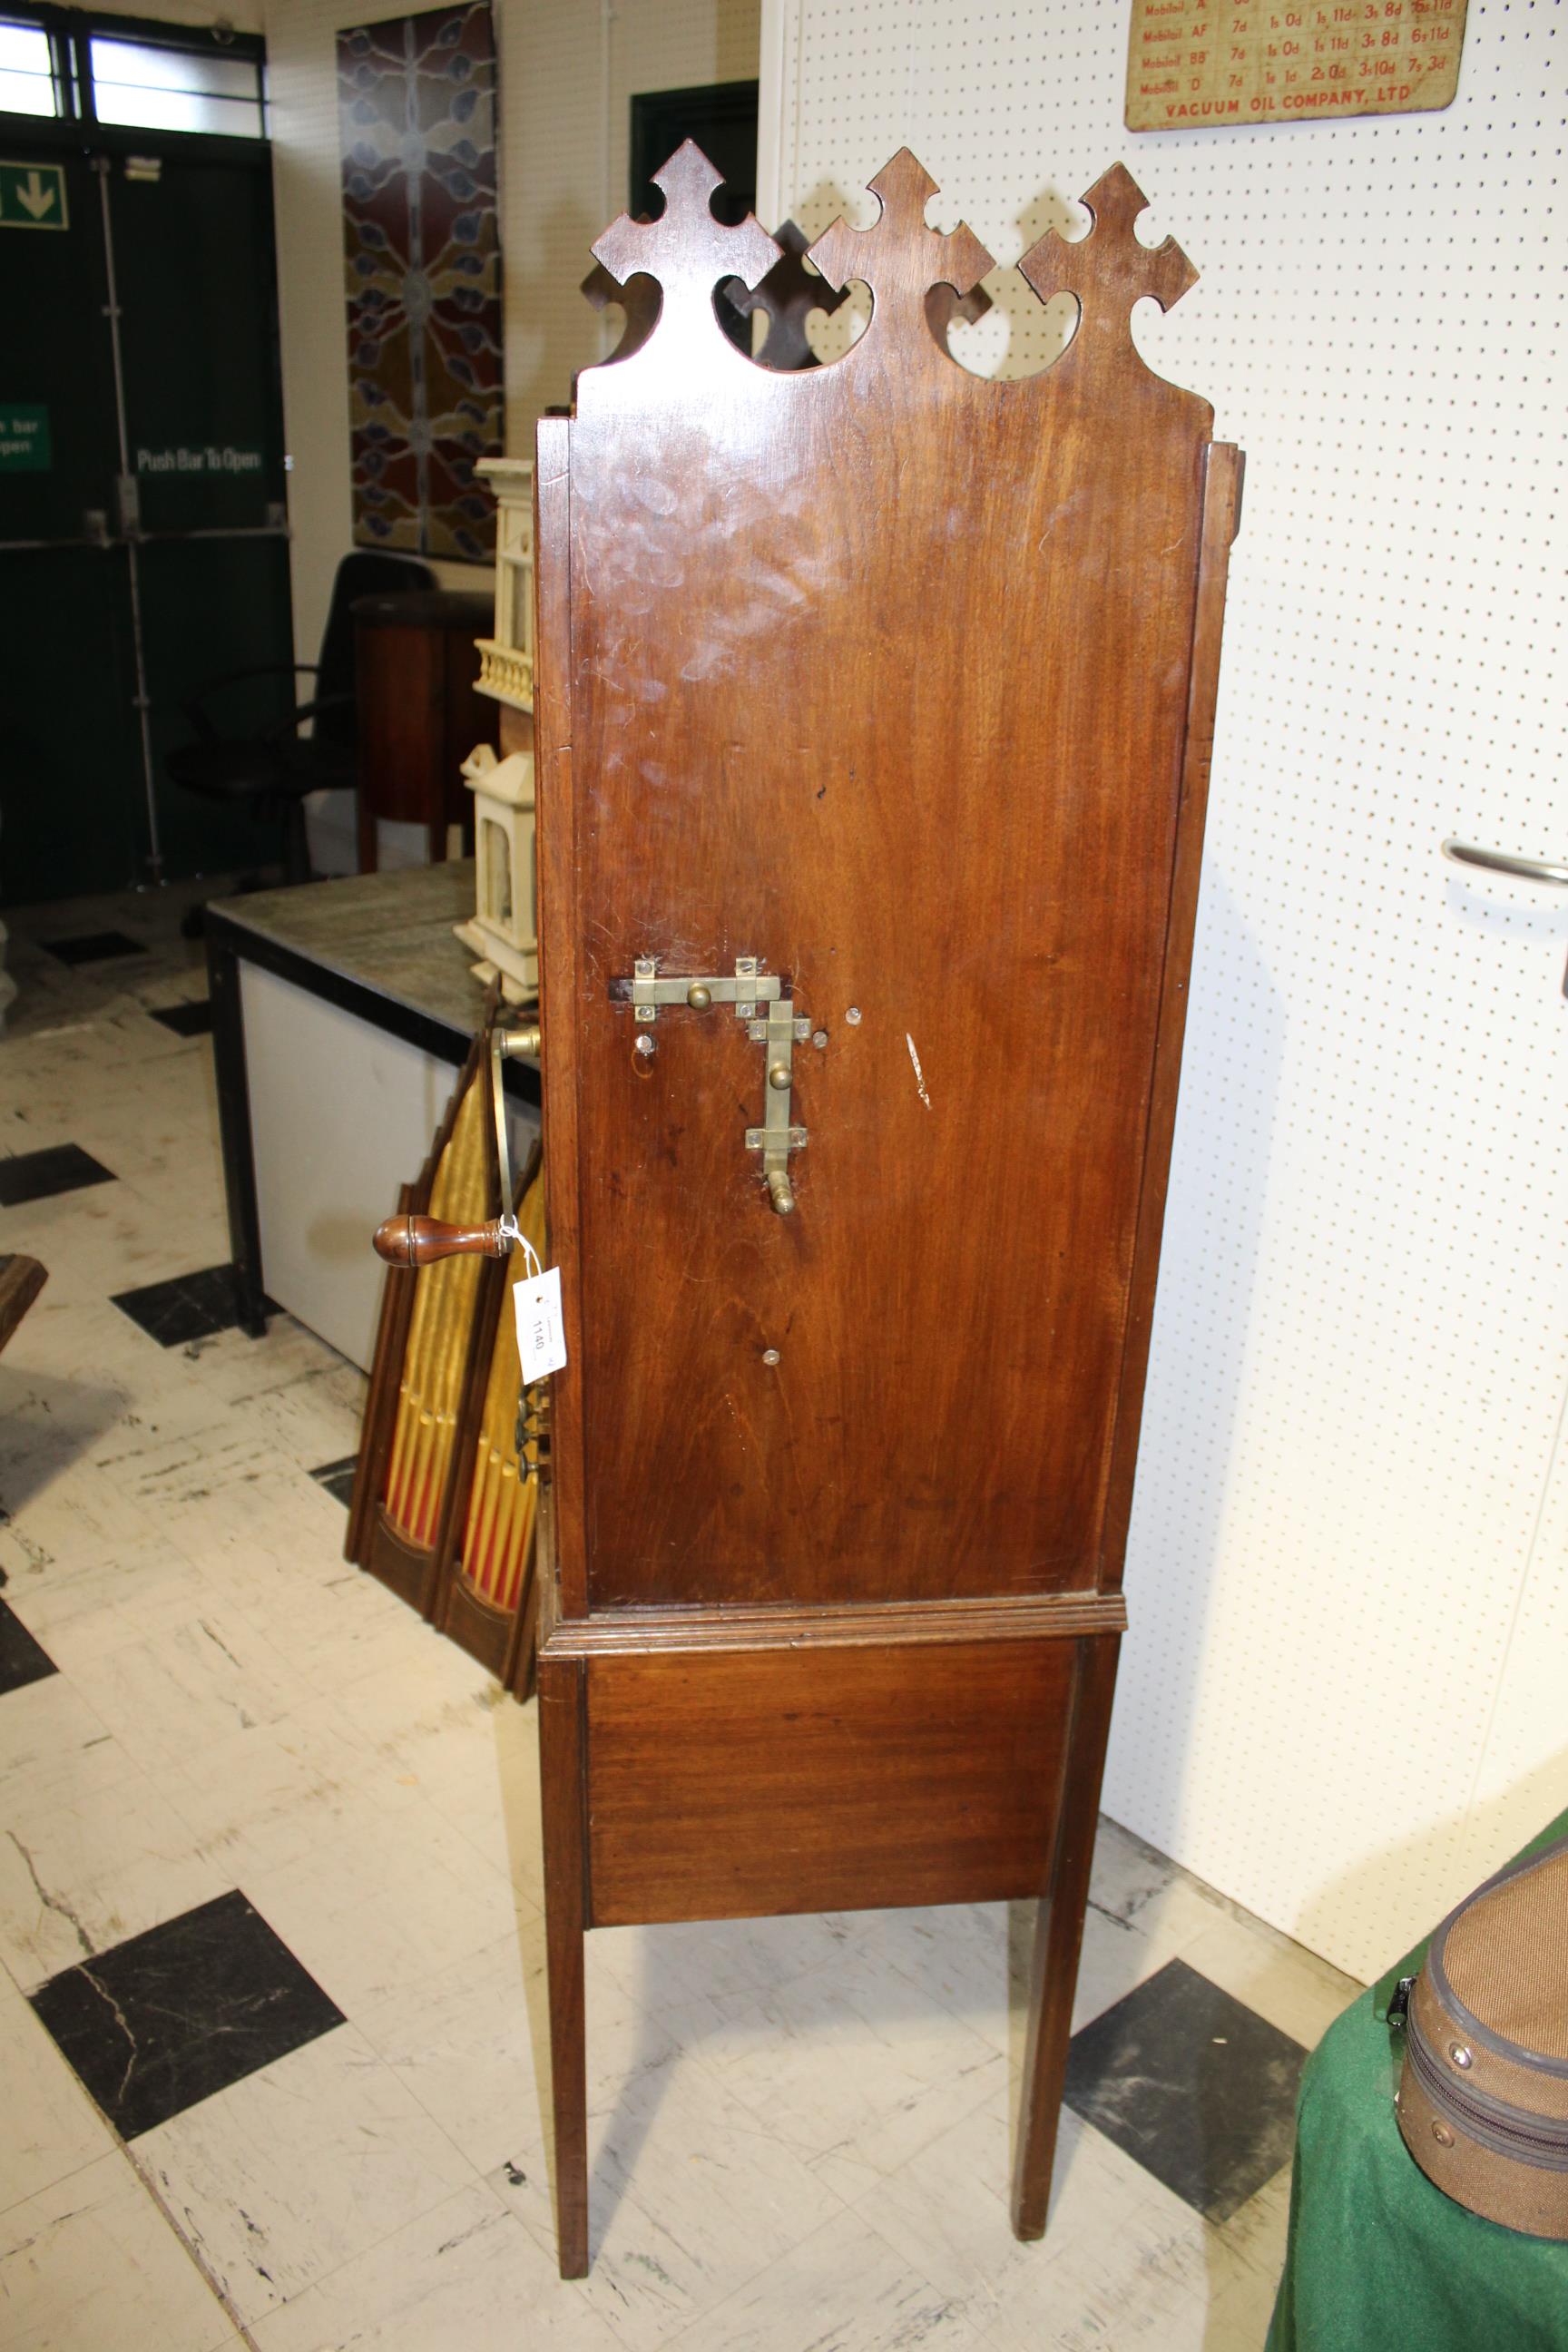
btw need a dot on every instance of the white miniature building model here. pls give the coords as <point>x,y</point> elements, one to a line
<point>507,658</point>
<point>504,932</point>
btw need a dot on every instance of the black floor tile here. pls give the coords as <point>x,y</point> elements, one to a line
<point>338,1477</point>
<point>187,1019</point>
<point>21,1659</point>
<point>182,2012</point>
<point>185,1307</point>
<point>1193,2084</point>
<point>96,946</point>
<point>38,1175</point>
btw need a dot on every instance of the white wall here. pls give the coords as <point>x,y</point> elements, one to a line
<point>1343,1696</point>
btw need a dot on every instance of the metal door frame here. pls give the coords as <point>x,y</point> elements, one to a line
<point>76,131</point>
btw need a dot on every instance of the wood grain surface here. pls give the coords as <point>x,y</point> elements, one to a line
<point>878,671</point>
<point>903,683</point>
<point>727,1787</point>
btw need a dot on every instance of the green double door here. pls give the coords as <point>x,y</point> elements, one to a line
<point>144,541</point>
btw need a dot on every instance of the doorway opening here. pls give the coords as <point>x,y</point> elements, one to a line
<point>143,518</point>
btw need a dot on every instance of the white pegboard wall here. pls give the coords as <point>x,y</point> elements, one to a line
<point>1341,1698</point>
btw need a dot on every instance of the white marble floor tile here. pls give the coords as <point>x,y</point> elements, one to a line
<point>281,1533</point>
<point>1123,2260</point>
<point>732,2193</point>
<point>181,1167</point>
<point>844,2287</point>
<point>65,1513</point>
<point>266,1797</point>
<point>1239,2315</point>
<point>396,1899</point>
<point>466,2276</point>
<point>945,2210</point>
<point>90,2263</point>
<point>1256,2234</point>
<point>51,2128</point>
<point>315,1414</point>
<point>83,1613</point>
<point>1129,2246</point>
<point>718,1959</point>
<point>61,1399</point>
<point>467,2045</point>
<point>53,1745</point>
<point>690,2197</point>
<point>472,2045</point>
<point>78,1876</point>
<point>332,1630</point>
<point>852,2067</point>
<point>654,2275</point>
<point>1172,1917</point>
<point>289,1387</point>
<point>438,1697</point>
<point>958,1955</point>
<point>283,2177</point>
<point>487,1785</point>
<point>190,1688</point>
<point>182,1460</point>
<point>105,1241</point>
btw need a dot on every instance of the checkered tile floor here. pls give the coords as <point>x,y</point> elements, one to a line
<point>271,1933</point>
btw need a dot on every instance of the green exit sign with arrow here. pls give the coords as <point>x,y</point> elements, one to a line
<point>33,195</point>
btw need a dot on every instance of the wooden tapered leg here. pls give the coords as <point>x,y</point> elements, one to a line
<point>562,1758</point>
<point>1058,1933</point>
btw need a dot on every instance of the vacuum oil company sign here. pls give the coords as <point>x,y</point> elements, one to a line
<point>1247,62</point>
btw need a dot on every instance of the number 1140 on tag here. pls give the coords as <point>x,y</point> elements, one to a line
<point>541,1334</point>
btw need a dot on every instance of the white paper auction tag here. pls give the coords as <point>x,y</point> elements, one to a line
<point>541,1334</point>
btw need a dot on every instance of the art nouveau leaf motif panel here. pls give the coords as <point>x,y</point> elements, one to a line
<point>422,258</point>
<point>878,675</point>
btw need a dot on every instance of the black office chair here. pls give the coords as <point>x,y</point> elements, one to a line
<point>270,772</point>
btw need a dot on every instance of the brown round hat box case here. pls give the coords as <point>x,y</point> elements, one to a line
<point>1483,2099</point>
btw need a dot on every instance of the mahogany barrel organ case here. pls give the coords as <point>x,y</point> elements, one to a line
<point>873,717</point>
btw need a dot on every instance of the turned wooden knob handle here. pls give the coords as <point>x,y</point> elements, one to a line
<point>420,1241</point>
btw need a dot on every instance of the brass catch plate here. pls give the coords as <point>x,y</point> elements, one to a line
<point>779,1030</point>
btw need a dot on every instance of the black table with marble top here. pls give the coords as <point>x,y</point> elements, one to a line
<point>380,947</point>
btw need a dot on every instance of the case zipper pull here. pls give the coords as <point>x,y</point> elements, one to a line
<point>1399,2003</point>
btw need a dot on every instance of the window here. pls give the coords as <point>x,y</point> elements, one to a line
<point>80,67</point>
<point>26,72</point>
<point>157,86</point>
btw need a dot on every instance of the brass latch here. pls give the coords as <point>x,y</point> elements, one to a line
<point>760,1000</point>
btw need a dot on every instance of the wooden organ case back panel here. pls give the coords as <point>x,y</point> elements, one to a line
<point>874,709</point>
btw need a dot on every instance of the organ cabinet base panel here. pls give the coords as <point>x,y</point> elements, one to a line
<point>786,1778</point>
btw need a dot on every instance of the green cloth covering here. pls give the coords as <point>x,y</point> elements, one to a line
<point>1378,2260</point>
